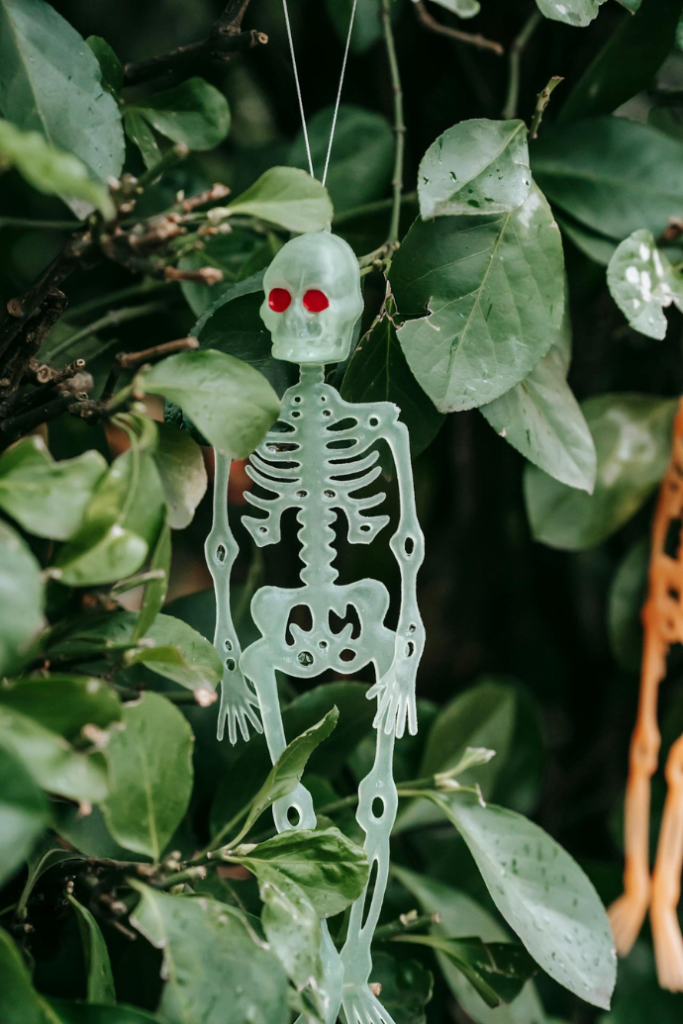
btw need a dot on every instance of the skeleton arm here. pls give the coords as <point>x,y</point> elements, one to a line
<point>396,689</point>
<point>239,703</point>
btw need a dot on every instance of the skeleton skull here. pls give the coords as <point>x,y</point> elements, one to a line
<point>313,299</point>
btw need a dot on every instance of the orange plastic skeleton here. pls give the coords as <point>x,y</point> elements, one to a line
<point>663,626</point>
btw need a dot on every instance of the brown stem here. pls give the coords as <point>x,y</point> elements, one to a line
<point>224,40</point>
<point>478,41</point>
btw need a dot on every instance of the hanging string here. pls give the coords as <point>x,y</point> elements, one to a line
<point>300,97</point>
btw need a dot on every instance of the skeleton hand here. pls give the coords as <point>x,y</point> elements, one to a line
<point>396,693</point>
<point>239,706</point>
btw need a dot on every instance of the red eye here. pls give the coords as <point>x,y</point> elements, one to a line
<point>279,299</point>
<point>315,301</point>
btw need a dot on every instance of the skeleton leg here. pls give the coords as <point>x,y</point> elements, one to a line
<point>377,806</point>
<point>257,663</point>
<point>628,913</point>
<point>666,879</point>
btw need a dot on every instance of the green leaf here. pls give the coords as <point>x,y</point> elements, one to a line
<point>150,769</point>
<point>142,136</point>
<point>156,590</point>
<point>288,197</point>
<point>362,156</point>
<point>331,870</point>
<point>98,968</point>
<point>543,895</point>
<point>643,283</point>
<point>234,254</point>
<point>378,372</point>
<point>52,84</point>
<point>183,475</point>
<point>19,1003</point>
<point>627,62</point>
<point>110,65</point>
<point>49,169</point>
<point>209,951</point>
<point>21,607</point>
<point>62,703</point>
<point>632,435</point>
<point>122,521</point>
<point>611,175</point>
<point>291,925</point>
<point>45,497</point>
<point>51,760</point>
<point>494,714</point>
<point>461,917</point>
<point>542,419</point>
<point>498,971</point>
<point>406,987</point>
<point>23,814</point>
<point>367,26</point>
<point>285,775</point>
<point>193,112</point>
<point>233,325</point>
<point>232,404</point>
<point>187,657</point>
<point>491,323</point>
<point>626,599</point>
<point>475,167</point>
<point>62,1012</point>
<point>571,12</point>
<point>46,854</point>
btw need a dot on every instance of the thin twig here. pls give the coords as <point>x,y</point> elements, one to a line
<point>478,41</point>
<point>224,40</point>
<point>542,101</point>
<point>111,319</point>
<point>517,48</point>
<point>399,125</point>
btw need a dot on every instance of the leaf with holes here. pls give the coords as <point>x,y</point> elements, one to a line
<point>643,283</point>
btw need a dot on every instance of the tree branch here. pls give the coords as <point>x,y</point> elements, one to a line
<point>478,41</point>
<point>225,39</point>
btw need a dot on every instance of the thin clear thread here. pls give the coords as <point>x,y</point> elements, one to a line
<point>298,88</point>
<point>300,97</point>
<point>339,91</point>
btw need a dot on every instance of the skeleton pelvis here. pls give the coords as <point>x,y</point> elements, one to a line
<point>311,629</point>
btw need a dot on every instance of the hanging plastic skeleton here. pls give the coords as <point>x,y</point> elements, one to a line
<point>663,626</point>
<point>320,459</point>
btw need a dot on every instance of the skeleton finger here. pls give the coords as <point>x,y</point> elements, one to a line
<point>401,714</point>
<point>253,717</point>
<point>390,719</point>
<point>412,716</point>
<point>232,734</point>
<point>242,722</point>
<point>382,707</point>
<point>376,689</point>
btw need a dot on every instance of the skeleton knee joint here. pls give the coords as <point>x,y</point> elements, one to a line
<point>645,751</point>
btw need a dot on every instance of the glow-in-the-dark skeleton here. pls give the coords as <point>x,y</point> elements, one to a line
<point>320,459</point>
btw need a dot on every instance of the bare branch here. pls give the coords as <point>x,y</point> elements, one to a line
<point>478,41</point>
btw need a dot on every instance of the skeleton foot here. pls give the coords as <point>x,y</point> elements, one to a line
<point>362,1007</point>
<point>626,916</point>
